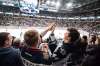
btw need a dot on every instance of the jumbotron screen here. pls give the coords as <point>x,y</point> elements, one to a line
<point>9,2</point>
<point>29,6</point>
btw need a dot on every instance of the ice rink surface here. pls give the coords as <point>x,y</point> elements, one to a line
<point>19,31</point>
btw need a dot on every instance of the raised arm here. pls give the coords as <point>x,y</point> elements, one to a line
<point>49,28</point>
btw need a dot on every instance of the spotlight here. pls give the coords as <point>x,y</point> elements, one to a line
<point>69,5</point>
<point>48,2</point>
<point>58,4</point>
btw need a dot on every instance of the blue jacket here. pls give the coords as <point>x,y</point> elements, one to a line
<point>10,57</point>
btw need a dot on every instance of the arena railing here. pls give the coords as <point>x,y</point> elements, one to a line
<point>28,63</point>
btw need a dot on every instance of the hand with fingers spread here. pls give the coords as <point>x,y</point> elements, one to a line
<point>49,28</point>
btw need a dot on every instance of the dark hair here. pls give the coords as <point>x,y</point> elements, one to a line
<point>93,38</point>
<point>85,37</point>
<point>31,37</point>
<point>84,40</point>
<point>74,34</point>
<point>16,42</point>
<point>3,38</point>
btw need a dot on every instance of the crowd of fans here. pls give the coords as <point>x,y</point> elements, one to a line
<point>72,50</point>
<point>87,25</point>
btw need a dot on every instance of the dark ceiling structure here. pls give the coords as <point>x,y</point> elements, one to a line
<point>76,3</point>
<point>79,8</point>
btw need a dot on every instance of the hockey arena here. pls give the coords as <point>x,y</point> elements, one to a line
<point>49,32</point>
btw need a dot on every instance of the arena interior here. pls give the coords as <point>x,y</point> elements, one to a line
<point>51,20</point>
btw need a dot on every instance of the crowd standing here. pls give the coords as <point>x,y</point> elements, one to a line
<point>73,51</point>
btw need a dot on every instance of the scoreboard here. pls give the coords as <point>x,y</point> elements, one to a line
<point>10,2</point>
<point>26,6</point>
<point>29,6</point>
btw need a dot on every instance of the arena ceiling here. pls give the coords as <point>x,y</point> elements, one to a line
<point>67,5</point>
<point>88,7</point>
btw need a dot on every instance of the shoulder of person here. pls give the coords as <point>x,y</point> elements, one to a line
<point>15,51</point>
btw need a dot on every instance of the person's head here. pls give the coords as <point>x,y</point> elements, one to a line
<point>84,38</point>
<point>17,42</point>
<point>31,38</point>
<point>5,39</point>
<point>92,39</point>
<point>71,35</point>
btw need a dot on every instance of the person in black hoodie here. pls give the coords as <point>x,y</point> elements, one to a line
<point>69,54</point>
<point>8,55</point>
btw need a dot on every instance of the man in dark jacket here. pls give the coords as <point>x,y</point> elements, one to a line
<point>31,51</point>
<point>8,55</point>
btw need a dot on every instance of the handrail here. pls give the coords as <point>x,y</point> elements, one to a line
<point>29,63</point>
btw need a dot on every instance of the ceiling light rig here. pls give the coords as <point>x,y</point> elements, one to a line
<point>58,5</point>
<point>54,4</point>
<point>69,6</point>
